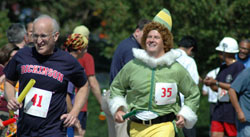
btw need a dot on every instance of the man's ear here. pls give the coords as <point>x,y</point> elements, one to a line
<point>136,32</point>
<point>191,48</point>
<point>189,51</point>
<point>26,39</point>
<point>56,36</point>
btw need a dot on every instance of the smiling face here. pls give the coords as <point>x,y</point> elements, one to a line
<point>44,37</point>
<point>154,44</point>
<point>244,50</point>
<point>156,39</point>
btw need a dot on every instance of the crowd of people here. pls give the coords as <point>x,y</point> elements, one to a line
<point>154,88</point>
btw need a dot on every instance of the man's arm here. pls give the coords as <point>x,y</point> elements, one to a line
<point>9,91</point>
<point>70,119</point>
<point>215,84</point>
<point>95,88</point>
<point>236,105</point>
<point>80,99</point>
<point>69,104</point>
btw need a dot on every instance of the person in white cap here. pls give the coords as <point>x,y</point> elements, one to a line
<point>223,119</point>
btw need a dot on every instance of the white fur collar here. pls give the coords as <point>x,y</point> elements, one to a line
<point>167,59</point>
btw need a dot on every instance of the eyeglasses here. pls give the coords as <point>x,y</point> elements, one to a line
<point>42,36</point>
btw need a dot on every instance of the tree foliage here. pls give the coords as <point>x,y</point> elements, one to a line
<point>111,21</point>
<point>4,22</point>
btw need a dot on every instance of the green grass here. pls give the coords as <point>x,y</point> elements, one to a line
<point>95,127</point>
<point>202,126</point>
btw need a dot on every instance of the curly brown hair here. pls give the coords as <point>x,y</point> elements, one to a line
<point>166,35</point>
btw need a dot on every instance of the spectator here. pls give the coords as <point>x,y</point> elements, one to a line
<point>244,51</point>
<point>52,69</point>
<point>29,29</point>
<point>239,96</point>
<point>75,45</point>
<point>187,47</point>
<point>122,55</point>
<point>151,83</point>
<point>17,35</point>
<point>223,120</point>
<point>212,95</point>
<point>6,53</point>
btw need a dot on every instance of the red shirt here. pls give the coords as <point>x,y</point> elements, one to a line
<point>87,62</point>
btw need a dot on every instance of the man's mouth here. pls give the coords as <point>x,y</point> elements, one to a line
<point>152,45</point>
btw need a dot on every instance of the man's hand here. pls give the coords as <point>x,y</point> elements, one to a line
<point>118,116</point>
<point>209,81</point>
<point>13,104</point>
<point>241,116</point>
<point>69,120</point>
<point>180,121</point>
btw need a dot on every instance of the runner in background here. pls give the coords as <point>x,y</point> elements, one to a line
<point>76,45</point>
<point>87,62</point>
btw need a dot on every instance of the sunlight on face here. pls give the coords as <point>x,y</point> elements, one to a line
<point>154,44</point>
<point>43,36</point>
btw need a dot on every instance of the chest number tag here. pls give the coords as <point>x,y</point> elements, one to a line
<point>37,102</point>
<point>223,95</point>
<point>165,93</point>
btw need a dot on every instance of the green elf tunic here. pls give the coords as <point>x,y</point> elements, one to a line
<point>153,84</point>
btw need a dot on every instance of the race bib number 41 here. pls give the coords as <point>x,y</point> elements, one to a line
<point>37,102</point>
<point>165,93</point>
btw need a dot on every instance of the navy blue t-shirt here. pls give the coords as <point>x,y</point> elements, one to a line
<point>224,111</point>
<point>123,54</point>
<point>52,73</point>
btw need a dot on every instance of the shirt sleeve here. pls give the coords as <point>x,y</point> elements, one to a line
<point>10,70</point>
<point>189,89</point>
<point>241,82</point>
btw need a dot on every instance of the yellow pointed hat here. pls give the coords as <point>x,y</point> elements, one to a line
<point>164,17</point>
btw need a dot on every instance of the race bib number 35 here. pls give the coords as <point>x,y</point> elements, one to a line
<point>165,93</point>
<point>37,102</point>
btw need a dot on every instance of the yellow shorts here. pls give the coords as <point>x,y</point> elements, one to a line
<point>165,129</point>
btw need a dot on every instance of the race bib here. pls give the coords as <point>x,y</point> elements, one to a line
<point>165,93</point>
<point>37,102</point>
<point>223,95</point>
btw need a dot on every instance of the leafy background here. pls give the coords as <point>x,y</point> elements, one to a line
<point>111,21</point>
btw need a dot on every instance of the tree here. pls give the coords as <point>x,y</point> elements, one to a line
<point>111,21</point>
<point>4,23</point>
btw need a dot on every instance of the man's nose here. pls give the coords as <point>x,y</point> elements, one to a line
<point>39,39</point>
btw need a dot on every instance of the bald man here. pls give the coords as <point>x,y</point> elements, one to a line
<point>44,112</point>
